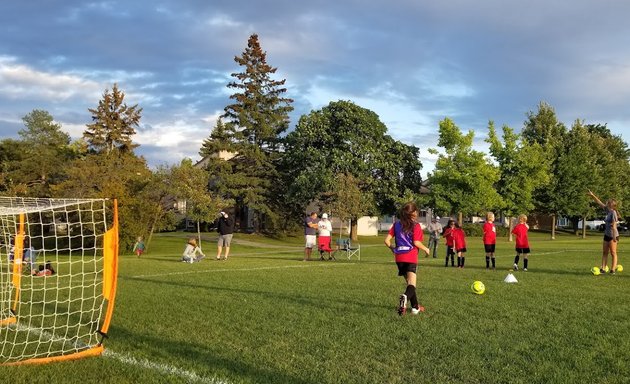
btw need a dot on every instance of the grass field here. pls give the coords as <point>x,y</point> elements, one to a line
<point>265,316</point>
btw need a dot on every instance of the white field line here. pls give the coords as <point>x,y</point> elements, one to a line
<point>127,359</point>
<point>189,376</point>
<point>305,265</point>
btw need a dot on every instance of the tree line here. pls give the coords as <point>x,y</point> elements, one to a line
<point>340,157</point>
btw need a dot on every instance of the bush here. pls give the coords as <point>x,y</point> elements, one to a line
<point>476,230</point>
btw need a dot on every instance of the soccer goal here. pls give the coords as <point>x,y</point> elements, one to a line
<point>59,261</point>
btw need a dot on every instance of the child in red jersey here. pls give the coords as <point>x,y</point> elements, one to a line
<point>489,239</point>
<point>459,240</point>
<point>448,237</point>
<point>522,243</point>
<point>407,235</point>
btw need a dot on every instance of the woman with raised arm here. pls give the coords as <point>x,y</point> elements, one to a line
<point>611,233</point>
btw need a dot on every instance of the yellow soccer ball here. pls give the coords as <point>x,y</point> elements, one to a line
<point>619,268</point>
<point>595,271</point>
<point>478,288</point>
<point>606,269</point>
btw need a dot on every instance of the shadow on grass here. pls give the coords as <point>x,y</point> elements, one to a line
<point>154,347</point>
<point>329,303</point>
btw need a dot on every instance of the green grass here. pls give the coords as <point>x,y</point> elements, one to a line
<point>265,316</point>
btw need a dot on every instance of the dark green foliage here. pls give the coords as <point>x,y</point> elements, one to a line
<point>476,230</point>
<point>252,134</point>
<point>38,160</point>
<point>464,179</point>
<point>346,139</point>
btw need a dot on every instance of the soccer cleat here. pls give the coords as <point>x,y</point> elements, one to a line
<point>515,267</point>
<point>415,311</point>
<point>524,269</point>
<point>402,305</point>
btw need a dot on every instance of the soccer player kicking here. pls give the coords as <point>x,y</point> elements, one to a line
<point>407,234</point>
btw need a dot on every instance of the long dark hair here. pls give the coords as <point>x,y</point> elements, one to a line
<point>406,219</point>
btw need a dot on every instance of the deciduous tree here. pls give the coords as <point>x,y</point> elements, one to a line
<point>464,179</point>
<point>522,168</point>
<point>346,139</point>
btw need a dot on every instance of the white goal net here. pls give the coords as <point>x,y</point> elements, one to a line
<point>58,272</point>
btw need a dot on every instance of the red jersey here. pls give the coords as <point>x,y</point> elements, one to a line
<point>459,238</point>
<point>412,255</point>
<point>448,236</point>
<point>489,233</point>
<point>520,231</point>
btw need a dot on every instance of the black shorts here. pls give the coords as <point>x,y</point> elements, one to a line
<point>489,247</point>
<point>522,250</point>
<point>449,251</point>
<point>403,268</point>
<point>462,250</point>
<point>608,239</point>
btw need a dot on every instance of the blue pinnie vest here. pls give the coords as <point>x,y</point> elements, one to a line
<point>404,241</point>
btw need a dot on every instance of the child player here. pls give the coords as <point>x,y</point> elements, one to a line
<point>459,238</point>
<point>138,247</point>
<point>448,238</point>
<point>408,237</point>
<point>522,243</point>
<point>489,239</point>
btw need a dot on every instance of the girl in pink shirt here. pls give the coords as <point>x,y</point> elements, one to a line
<point>407,234</point>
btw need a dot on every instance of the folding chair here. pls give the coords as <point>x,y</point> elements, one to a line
<point>345,245</point>
<point>323,245</point>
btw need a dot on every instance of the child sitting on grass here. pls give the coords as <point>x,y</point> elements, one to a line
<point>192,252</point>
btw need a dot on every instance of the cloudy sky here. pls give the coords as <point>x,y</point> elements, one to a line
<point>413,62</point>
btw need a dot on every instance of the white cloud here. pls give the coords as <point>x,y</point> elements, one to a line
<point>223,21</point>
<point>18,81</point>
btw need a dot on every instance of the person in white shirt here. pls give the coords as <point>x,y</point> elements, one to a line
<point>192,252</point>
<point>324,227</point>
<point>435,231</point>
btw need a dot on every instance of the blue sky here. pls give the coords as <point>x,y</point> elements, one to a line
<point>413,62</point>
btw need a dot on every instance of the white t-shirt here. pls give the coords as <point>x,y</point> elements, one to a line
<point>325,227</point>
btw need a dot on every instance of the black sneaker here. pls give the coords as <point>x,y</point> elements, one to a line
<point>402,304</point>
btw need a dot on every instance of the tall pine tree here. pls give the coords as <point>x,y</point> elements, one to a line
<point>252,132</point>
<point>113,123</point>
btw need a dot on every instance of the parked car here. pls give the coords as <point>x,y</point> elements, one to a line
<point>591,224</point>
<point>622,226</point>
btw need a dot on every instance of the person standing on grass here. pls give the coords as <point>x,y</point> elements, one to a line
<point>225,227</point>
<point>310,235</point>
<point>138,247</point>
<point>407,234</point>
<point>324,227</point>
<point>192,252</point>
<point>522,242</point>
<point>459,240</point>
<point>435,230</point>
<point>489,239</point>
<point>448,237</point>
<point>611,232</point>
